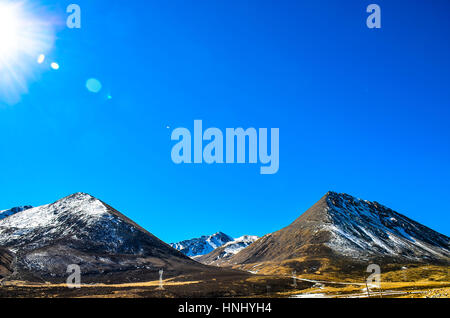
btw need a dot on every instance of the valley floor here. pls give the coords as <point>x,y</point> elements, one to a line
<point>429,282</point>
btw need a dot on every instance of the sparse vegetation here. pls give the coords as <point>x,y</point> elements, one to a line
<point>412,281</point>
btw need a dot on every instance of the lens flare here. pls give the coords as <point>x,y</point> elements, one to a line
<point>54,66</point>
<point>93,85</point>
<point>41,59</point>
<point>25,35</point>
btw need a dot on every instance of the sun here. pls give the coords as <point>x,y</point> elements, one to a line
<point>10,23</point>
<point>13,32</point>
<point>24,35</point>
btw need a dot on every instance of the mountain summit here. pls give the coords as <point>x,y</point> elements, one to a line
<point>202,245</point>
<point>340,226</point>
<point>80,229</point>
<point>221,255</point>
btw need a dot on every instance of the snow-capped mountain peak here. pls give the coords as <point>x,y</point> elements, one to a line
<point>80,229</point>
<point>53,217</point>
<point>222,254</point>
<point>358,226</point>
<point>340,227</point>
<point>202,245</point>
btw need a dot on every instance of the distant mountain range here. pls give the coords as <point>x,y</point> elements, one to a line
<point>339,231</point>
<point>217,247</point>
<point>6,213</point>
<point>202,245</point>
<point>221,255</point>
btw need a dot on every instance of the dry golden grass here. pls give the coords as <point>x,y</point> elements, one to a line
<point>418,273</point>
<point>396,281</point>
<point>410,282</point>
<point>167,282</point>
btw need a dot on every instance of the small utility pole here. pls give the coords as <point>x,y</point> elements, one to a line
<point>161,286</point>
<point>367,288</point>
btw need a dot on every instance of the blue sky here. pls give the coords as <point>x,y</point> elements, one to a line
<point>360,111</point>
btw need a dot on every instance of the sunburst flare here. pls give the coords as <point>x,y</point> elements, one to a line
<point>25,35</point>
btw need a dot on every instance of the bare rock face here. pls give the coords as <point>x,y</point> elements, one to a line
<point>83,230</point>
<point>6,263</point>
<point>342,227</point>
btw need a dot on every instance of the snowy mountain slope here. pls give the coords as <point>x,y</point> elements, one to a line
<point>81,229</point>
<point>202,245</point>
<point>359,226</point>
<point>238,244</point>
<point>223,253</point>
<point>6,213</point>
<point>340,226</point>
